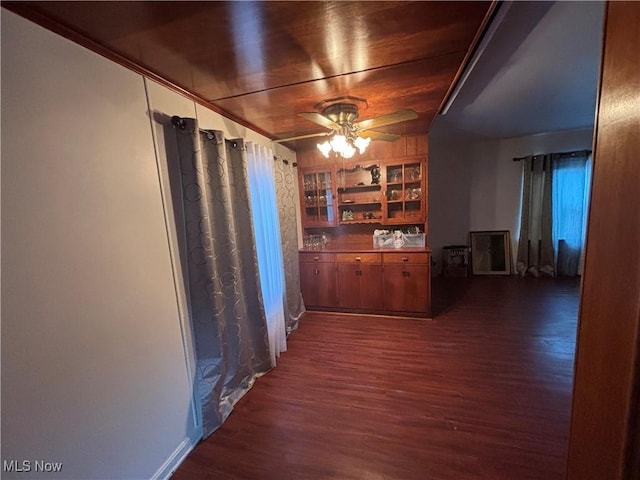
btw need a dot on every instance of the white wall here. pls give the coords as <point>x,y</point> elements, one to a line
<point>449,190</point>
<point>476,185</point>
<point>97,361</point>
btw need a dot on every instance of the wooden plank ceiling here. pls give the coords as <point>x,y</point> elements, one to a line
<point>260,63</point>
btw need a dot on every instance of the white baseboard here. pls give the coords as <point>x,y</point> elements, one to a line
<point>175,459</point>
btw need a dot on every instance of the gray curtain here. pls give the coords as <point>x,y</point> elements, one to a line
<point>535,246</point>
<point>226,308</point>
<point>286,179</point>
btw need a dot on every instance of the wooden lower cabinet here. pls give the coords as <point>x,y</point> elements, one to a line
<point>359,281</point>
<point>318,279</point>
<point>406,282</point>
<point>391,282</point>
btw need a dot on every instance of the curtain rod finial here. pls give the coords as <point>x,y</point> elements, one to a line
<point>177,122</point>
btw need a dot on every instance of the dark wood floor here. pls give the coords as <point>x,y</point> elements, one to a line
<point>482,391</point>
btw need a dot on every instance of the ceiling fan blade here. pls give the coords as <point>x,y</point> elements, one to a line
<point>300,137</point>
<point>388,119</point>
<point>320,120</point>
<point>385,137</point>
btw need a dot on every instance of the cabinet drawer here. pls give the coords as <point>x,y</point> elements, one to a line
<point>411,258</point>
<point>358,257</point>
<point>317,257</point>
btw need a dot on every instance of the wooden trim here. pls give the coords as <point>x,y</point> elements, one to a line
<point>603,434</point>
<point>482,30</point>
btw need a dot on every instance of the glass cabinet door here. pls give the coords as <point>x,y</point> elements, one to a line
<point>404,195</point>
<point>319,204</point>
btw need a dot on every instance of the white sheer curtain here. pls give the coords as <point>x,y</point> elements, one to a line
<point>268,245</point>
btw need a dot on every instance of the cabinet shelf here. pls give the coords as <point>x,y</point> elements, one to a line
<point>359,187</point>
<point>355,204</point>
<point>354,222</point>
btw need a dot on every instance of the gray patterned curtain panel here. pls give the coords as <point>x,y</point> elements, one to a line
<point>226,308</point>
<point>286,178</point>
<point>535,246</point>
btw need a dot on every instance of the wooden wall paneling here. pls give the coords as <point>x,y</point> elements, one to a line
<point>606,371</point>
<point>398,148</point>
<point>425,186</point>
<point>407,145</point>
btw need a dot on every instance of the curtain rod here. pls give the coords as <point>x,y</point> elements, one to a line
<point>284,160</point>
<point>560,154</point>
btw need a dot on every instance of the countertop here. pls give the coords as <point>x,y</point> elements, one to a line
<point>366,250</point>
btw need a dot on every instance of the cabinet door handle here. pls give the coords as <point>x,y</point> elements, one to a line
<point>315,259</point>
<point>358,259</point>
<point>316,272</point>
<point>405,259</point>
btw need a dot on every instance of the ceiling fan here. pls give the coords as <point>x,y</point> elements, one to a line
<point>347,135</point>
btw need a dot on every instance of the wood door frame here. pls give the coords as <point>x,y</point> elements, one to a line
<point>604,438</point>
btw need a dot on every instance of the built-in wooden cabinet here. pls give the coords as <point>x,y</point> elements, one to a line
<point>359,280</point>
<point>387,282</point>
<point>318,279</point>
<point>389,192</point>
<point>406,282</point>
<point>343,201</point>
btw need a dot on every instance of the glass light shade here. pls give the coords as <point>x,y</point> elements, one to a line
<point>325,148</point>
<point>362,143</point>
<point>348,151</point>
<point>338,143</point>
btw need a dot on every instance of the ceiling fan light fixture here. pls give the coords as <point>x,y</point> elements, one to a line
<point>342,145</point>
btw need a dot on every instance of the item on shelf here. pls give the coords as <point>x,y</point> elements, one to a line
<point>375,175</point>
<point>385,239</point>
<point>413,174</point>
<point>398,239</point>
<point>414,193</point>
<point>347,215</point>
<point>414,239</point>
<point>381,240</point>
<point>395,176</point>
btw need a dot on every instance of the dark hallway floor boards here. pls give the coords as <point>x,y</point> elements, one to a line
<point>482,391</point>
